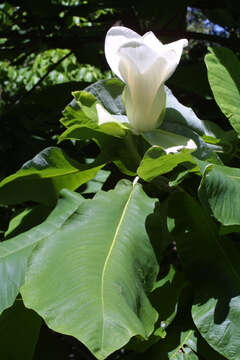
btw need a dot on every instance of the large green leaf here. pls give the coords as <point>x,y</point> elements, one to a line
<point>41,178</point>
<point>224,78</point>
<point>14,253</point>
<point>90,278</point>
<point>220,191</point>
<point>212,264</point>
<point>19,330</point>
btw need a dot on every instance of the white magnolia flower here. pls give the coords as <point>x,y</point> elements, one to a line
<point>144,64</point>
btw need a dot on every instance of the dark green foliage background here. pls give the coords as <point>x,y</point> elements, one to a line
<point>50,48</point>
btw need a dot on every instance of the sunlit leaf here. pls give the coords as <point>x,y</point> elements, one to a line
<point>104,238</point>
<point>224,78</point>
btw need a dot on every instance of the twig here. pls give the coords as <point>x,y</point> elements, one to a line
<point>229,42</point>
<point>51,68</point>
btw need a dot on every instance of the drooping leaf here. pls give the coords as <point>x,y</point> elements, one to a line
<point>224,78</point>
<point>212,265</point>
<point>90,279</point>
<point>220,190</point>
<point>19,331</point>
<point>41,178</point>
<point>14,253</point>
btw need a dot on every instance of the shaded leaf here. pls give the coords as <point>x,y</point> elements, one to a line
<point>41,178</point>
<point>212,264</point>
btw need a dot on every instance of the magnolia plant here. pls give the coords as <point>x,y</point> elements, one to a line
<point>85,246</point>
<point>143,63</point>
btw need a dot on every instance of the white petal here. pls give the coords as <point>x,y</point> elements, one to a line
<point>143,117</point>
<point>172,53</point>
<point>152,41</point>
<point>116,37</point>
<point>141,69</point>
<point>136,54</point>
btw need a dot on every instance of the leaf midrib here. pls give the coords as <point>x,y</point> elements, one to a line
<point>108,257</point>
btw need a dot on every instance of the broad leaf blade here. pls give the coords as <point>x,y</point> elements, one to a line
<point>90,279</point>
